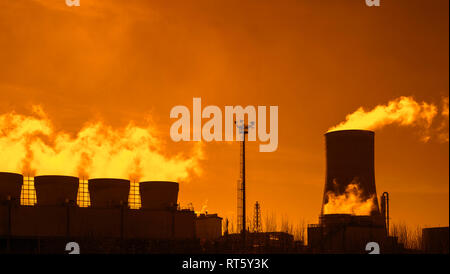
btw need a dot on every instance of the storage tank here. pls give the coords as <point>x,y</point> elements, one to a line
<point>435,240</point>
<point>108,192</point>
<point>158,194</point>
<point>10,186</point>
<point>350,158</point>
<point>56,189</point>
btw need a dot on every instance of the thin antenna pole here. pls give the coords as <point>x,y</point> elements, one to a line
<point>244,227</point>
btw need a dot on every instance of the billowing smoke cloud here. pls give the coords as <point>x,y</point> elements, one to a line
<point>403,111</point>
<point>30,146</point>
<point>350,202</point>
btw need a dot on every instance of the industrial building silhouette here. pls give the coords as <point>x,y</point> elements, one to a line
<point>108,224</point>
<point>349,157</point>
<point>159,222</point>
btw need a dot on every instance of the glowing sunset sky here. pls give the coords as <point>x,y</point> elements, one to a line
<point>122,62</point>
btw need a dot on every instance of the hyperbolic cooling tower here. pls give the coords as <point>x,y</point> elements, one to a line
<point>350,158</point>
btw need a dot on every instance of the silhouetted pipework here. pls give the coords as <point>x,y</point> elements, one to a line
<point>349,157</point>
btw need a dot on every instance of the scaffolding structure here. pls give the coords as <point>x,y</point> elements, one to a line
<point>257,227</point>
<point>134,198</point>
<point>28,193</point>
<point>83,199</point>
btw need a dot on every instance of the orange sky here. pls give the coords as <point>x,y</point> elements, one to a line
<point>122,61</point>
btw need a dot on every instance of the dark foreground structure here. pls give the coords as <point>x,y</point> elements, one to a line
<point>261,242</point>
<point>435,240</point>
<point>350,160</point>
<point>107,226</point>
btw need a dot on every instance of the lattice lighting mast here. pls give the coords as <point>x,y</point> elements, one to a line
<point>243,130</point>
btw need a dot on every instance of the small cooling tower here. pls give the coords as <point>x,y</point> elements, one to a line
<point>158,194</point>
<point>10,186</point>
<point>350,158</point>
<point>55,189</point>
<point>108,192</point>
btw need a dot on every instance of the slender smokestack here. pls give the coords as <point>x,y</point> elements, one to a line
<point>350,160</point>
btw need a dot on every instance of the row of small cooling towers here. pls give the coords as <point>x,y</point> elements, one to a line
<point>52,190</point>
<point>349,155</point>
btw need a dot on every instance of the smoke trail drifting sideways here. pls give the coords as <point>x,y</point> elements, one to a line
<point>403,111</point>
<point>29,145</point>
